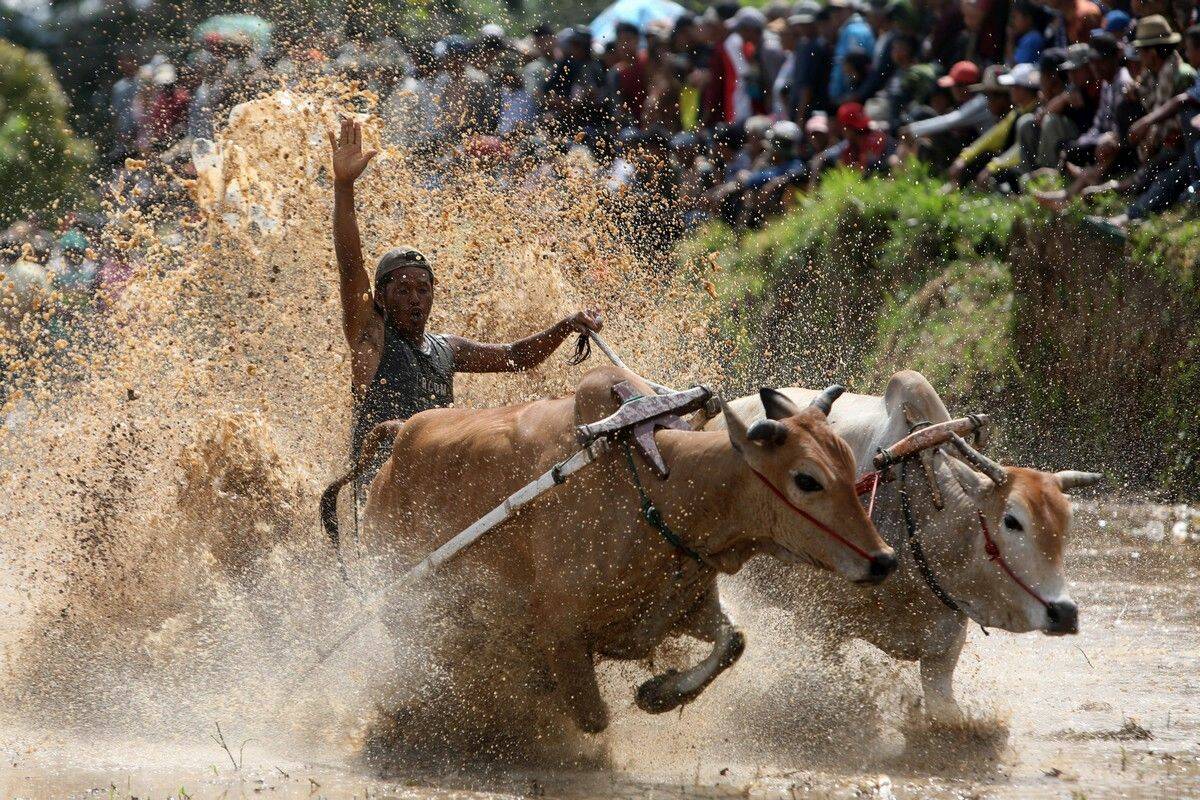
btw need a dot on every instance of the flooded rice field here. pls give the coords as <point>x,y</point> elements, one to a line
<point>1113,712</point>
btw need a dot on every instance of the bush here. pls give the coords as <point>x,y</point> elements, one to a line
<point>42,162</point>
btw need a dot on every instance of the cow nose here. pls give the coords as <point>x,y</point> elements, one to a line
<point>882,565</point>
<point>1063,616</point>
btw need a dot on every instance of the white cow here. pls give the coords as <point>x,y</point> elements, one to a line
<point>992,553</point>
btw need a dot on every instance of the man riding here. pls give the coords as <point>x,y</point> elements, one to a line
<point>397,368</point>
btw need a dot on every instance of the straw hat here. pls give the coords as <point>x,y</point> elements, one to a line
<point>1153,31</point>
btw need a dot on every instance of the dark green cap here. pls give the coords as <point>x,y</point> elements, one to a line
<point>400,258</point>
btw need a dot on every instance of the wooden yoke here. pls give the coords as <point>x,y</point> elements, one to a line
<point>928,437</point>
<point>641,416</point>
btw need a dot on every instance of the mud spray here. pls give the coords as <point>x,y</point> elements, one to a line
<point>162,462</point>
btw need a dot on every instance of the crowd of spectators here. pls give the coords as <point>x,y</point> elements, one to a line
<point>733,112</point>
<point>728,113</point>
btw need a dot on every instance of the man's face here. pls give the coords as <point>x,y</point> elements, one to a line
<point>1104,68</point>
<point>750,33</point>
<point>408,298</point>
<point>1192,51</point>
<point>999,103</point>
<point>627,46</point>
<point>1150,58</point>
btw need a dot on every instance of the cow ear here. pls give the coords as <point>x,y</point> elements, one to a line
<point>776,404</point>
<point>768,432</point>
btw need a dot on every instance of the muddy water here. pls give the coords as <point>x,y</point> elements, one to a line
<point>162,572</point>
<point>1114,712</point>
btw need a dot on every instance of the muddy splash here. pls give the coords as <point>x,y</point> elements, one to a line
<point>162,460</point>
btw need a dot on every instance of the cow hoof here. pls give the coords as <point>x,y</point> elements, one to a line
<point>593,723</point>
<point>654,699</point>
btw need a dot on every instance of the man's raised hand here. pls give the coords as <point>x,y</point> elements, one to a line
<point>349,160</point>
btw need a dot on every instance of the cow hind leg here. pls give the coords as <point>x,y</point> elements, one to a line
<point>574,674</point>
<point>672,689</point>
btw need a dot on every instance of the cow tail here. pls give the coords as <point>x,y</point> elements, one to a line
<point>377,436</point>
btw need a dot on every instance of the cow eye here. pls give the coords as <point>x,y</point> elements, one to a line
<point>1012,523</point>
<point>807,483</point>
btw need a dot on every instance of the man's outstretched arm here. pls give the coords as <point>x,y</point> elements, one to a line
<point>527,353</point>
<point>358,315</point>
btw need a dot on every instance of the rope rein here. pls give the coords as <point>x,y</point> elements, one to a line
<point>918,551</point>
<point>654,517</point>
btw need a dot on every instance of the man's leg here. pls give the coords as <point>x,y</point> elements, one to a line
<point>1165,191</point>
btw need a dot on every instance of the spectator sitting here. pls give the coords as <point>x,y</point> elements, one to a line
<point>939,138</point>
<point>999,145</point>
<point>996,139</point>
<point>1026,24</point>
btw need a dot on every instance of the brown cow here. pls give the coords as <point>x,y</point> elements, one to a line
<point>592,577</point>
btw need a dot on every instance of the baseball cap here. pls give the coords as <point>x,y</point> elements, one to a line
<point>1024,75</point>
<point>1078,55</point>
<point>964,73</point>
<point>817,123</point>
<point>749,17</point>
<point>1117,22</point>
<point>399,258</point>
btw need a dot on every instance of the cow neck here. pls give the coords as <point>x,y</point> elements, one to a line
<point>699,498</point>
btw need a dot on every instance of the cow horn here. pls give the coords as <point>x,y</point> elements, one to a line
<point>979,461</point>
<point>777,404</point>
<point>735,426</point>
<point>824,401</point>
<point>768,431</point>
<point>1069,479</point>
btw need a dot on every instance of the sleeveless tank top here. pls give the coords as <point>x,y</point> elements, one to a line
<point>409,380</point>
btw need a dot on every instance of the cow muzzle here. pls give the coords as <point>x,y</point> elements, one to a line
<point>1062,618</point>
<point>881,564</point>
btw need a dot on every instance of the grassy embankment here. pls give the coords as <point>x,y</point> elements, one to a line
<point>1085,346</point>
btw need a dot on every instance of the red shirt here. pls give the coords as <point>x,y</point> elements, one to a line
<point>871,147</point>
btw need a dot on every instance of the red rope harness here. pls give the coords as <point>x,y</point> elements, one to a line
<point>816,522</point>
<point>993,551</point>
<point>869,483</point>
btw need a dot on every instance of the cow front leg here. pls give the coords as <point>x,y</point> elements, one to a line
<point>574,673</point>
<point>937,681</point>
<point>707,623</point>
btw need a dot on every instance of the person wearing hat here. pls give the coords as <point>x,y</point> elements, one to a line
<point>397,368</point>
<point>1164,75</point>
<point>853,34</point>
<point>756,60</point>
<point>1044,130</point>
<point>1171,181</point>
<point>1000,140</point>
<point>940,138</point>
<point>1023,82</point>
<point>572,97</point>
<point>811,65</point>
<point>1097,149</point>
<point>865,147</point>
